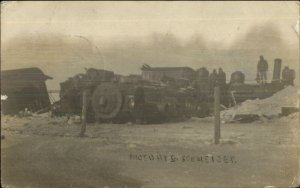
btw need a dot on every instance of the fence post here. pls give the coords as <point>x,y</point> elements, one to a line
<point>217,128</point>
<point>84,111</point>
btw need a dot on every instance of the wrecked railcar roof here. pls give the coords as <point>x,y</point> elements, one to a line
<point>32,73</point>
<point>18,78</point>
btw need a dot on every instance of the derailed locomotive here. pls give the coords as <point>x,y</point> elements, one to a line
<point>142,102</point>
<point>169,94</point>
<point>113,98</point>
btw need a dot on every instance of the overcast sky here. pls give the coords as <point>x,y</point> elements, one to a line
<point>216,21</point>
<point>222,24</point>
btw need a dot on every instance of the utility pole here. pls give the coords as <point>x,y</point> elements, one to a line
<point>217,128</point>
<point>85,96</point>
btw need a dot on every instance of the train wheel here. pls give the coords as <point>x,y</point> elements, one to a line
<point>106,101</point>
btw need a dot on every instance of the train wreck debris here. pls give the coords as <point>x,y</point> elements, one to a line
<point>281,103</point>
<point>126,98</point>
<point>160,93</point>
<point>25,90</point>
<point>160,73</point>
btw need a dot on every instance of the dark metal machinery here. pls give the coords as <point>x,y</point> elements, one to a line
<point>143,100</point>
<point>139,102</point>
<point>125,101</point>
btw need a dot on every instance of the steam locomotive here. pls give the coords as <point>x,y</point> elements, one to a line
<point>119,101</point>
<point>145,98</point>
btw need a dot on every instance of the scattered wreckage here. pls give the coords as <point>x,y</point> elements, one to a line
<point>158,94</point>
<point>119,99</point>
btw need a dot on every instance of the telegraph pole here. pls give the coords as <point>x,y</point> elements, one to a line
<point>217,128</point>
<point>85,93</point>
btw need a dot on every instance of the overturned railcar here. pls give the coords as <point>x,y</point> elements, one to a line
<point>25,89</point>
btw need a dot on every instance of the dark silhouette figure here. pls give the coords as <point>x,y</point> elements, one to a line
<point>203,82</point>
<point>262,68</point>
<point>288,76</point>
<point>221,77</point>
<point>204,73</point>
<point>221,80</point>
<point>213,77</point>
<point>292,77</point>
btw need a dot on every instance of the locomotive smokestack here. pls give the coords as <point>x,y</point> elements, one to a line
<point>276,71</point>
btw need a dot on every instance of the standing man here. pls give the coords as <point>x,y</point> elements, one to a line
<point>203,81</point>
<point>288,76</point>
<point>262,68</point>
<point>285,75</point>
<point>292,76</point>
<point>213,81</point>
<point>221,80</point>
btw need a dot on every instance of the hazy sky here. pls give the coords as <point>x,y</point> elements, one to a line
<point>216,21</point>
<point>50,33</point>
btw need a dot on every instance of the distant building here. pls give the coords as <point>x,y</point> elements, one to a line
<point>160,73</point>
<point>24,88</point>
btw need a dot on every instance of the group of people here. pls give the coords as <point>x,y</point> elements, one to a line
<point>288,75</point>
<point>208,81</point>
<point>217,79</point>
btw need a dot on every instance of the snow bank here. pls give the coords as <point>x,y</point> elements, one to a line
<point>268,107</point>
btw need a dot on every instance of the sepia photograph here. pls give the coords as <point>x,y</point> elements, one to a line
<point>150,94</point>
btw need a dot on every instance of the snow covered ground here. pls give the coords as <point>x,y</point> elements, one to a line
<point>269,107</point>
<point>39,151</point>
